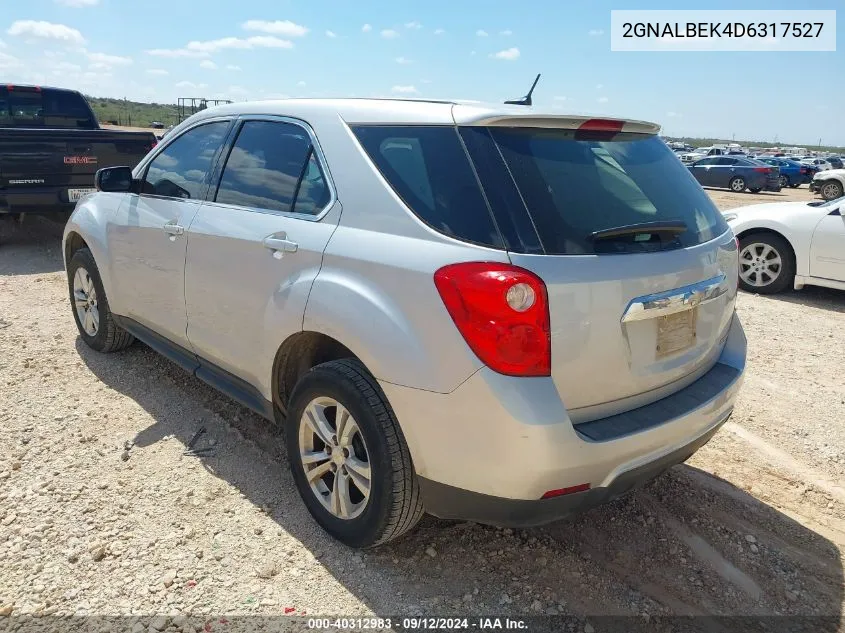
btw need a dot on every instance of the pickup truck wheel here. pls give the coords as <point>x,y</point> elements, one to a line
<point>737,184</point>
<point>766,263</point>
<point>348,456</point>
<point>91,307</point>
<point>831,189</point>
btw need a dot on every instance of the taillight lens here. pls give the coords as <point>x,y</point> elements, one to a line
<point>763,170</point>
<point>502,311</point>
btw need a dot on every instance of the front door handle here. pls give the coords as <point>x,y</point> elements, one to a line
<point>280,245</point>
<point>173,229</point>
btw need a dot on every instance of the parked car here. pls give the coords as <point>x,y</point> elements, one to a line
<point>819,163</point>
<point>835,162</point>
<point>736,173</point>
<point>790,245</point>
<point>829,183</point>
<point>157,125</point>
<point>50,147</point>
<point>791,173</point>
<point>449,299</point>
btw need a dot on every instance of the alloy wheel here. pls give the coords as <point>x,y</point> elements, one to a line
<point>335,458</point>
<point>759,264</point>
<point>85,301</point>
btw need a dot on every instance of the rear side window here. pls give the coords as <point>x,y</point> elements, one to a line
<point>182,169</point>
<point>430,171</point>
<point>573,187</point>
<point>30,107</point>
<point>272,166</point>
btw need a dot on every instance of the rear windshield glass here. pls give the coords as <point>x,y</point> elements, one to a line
<point>28,107</point>
<point>574,188</point>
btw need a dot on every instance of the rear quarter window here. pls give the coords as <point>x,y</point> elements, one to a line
<point>428,168</point>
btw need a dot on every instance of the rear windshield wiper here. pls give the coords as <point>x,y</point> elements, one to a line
<point>644,229</point>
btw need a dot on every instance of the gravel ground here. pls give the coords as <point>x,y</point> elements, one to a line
<point>101,512</point>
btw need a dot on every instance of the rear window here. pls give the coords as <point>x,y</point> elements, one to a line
<point>28,107</point>
<point>575,187</point>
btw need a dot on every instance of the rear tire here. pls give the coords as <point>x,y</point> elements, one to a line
<point>784,182</point>
<point>831,189</point>
<point>318,441</point>
<point>737,184</point>
<point>94,319</point>
<point>794,185</point>
<point>757,270</point>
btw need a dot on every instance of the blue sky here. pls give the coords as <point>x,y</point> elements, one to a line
<point>159,50</point>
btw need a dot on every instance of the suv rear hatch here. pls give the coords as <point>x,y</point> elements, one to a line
<point>639,265</point>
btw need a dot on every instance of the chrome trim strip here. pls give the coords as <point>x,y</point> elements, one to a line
<point>672,301</point>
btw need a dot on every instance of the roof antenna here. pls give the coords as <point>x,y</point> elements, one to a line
<point>526,100</point>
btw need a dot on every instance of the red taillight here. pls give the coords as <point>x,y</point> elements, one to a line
<point>565,491</point>
<point>763,170</point>
<point>598,129</point>
<point>502,311</point>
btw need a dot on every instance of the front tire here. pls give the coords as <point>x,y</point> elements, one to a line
<point>349,458</point>
<point>831,189</point>
<point>755,189</point>
<point>90,306</point>
<point>766,263</point>
<point>737,184</point>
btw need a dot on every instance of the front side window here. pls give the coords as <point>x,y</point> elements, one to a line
<point>272,166</point>
<point>183,168</point>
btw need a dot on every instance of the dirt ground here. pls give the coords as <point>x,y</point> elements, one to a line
<point>102,513</point>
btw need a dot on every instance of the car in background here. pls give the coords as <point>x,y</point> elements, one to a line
<point>790,245</point>
<point>819,163</point>
<point>157,125</point>
<point>835,162</point>
<point>830,184</point>
<point>736,173</point>
<point>792,174</point>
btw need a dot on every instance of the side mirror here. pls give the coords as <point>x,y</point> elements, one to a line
<point>114,179</point>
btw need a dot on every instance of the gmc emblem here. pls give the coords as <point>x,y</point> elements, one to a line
<point>80,160</point>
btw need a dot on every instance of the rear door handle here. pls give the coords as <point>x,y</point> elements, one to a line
<point>280,245</point>
<point>173,229</point>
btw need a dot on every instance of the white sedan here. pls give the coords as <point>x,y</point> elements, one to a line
<point>790,244</point>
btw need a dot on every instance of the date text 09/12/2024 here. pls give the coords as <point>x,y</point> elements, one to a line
<point>418,624</point>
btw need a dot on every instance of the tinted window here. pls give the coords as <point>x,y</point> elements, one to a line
<point>705,161</point>
<point>726,161</point>
<point>182,169</point>
<point>271,164</point>
<point>574,186</point>
<point>428,168</point>
<point>30,107</point>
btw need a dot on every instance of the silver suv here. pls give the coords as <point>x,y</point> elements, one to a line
<point>485,313</point>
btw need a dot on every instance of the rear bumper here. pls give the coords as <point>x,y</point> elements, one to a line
<point>40,200</point>
<point>448,502</point>
<point>490,450</point>
<point>772,185</point>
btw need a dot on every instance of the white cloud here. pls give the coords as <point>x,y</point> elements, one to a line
<point>301,84</point>
<point>256,41</point>
<point>599,86</point>
<point>508,54</point>
<point>208,65</point>
<point>331,34</point>
<point>596,32</point>
<point>366,28</point>
<point>46,30</point>
<point>238,90</point>
<point>67,67</point>
<point>506,32</point>
<point>233,67</point>
<point>403,60</point>
<point>102,59</point>
<point>561,98</point>
<point>472,53</point>
<point>673,115</point>
<point>439,32</point>
<point>389,34</point>
<point>481,33</point>
<point>3,44</point>
<point>78,4</point>
<point>413,25</point>
<point>603,99</point>
<point>175,53</point>
<point>406,90</point>
<point>157,71</point>
<point>278,27</point>
<point>190,85</point>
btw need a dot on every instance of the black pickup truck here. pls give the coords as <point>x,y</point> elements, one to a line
<point>51,146</point>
